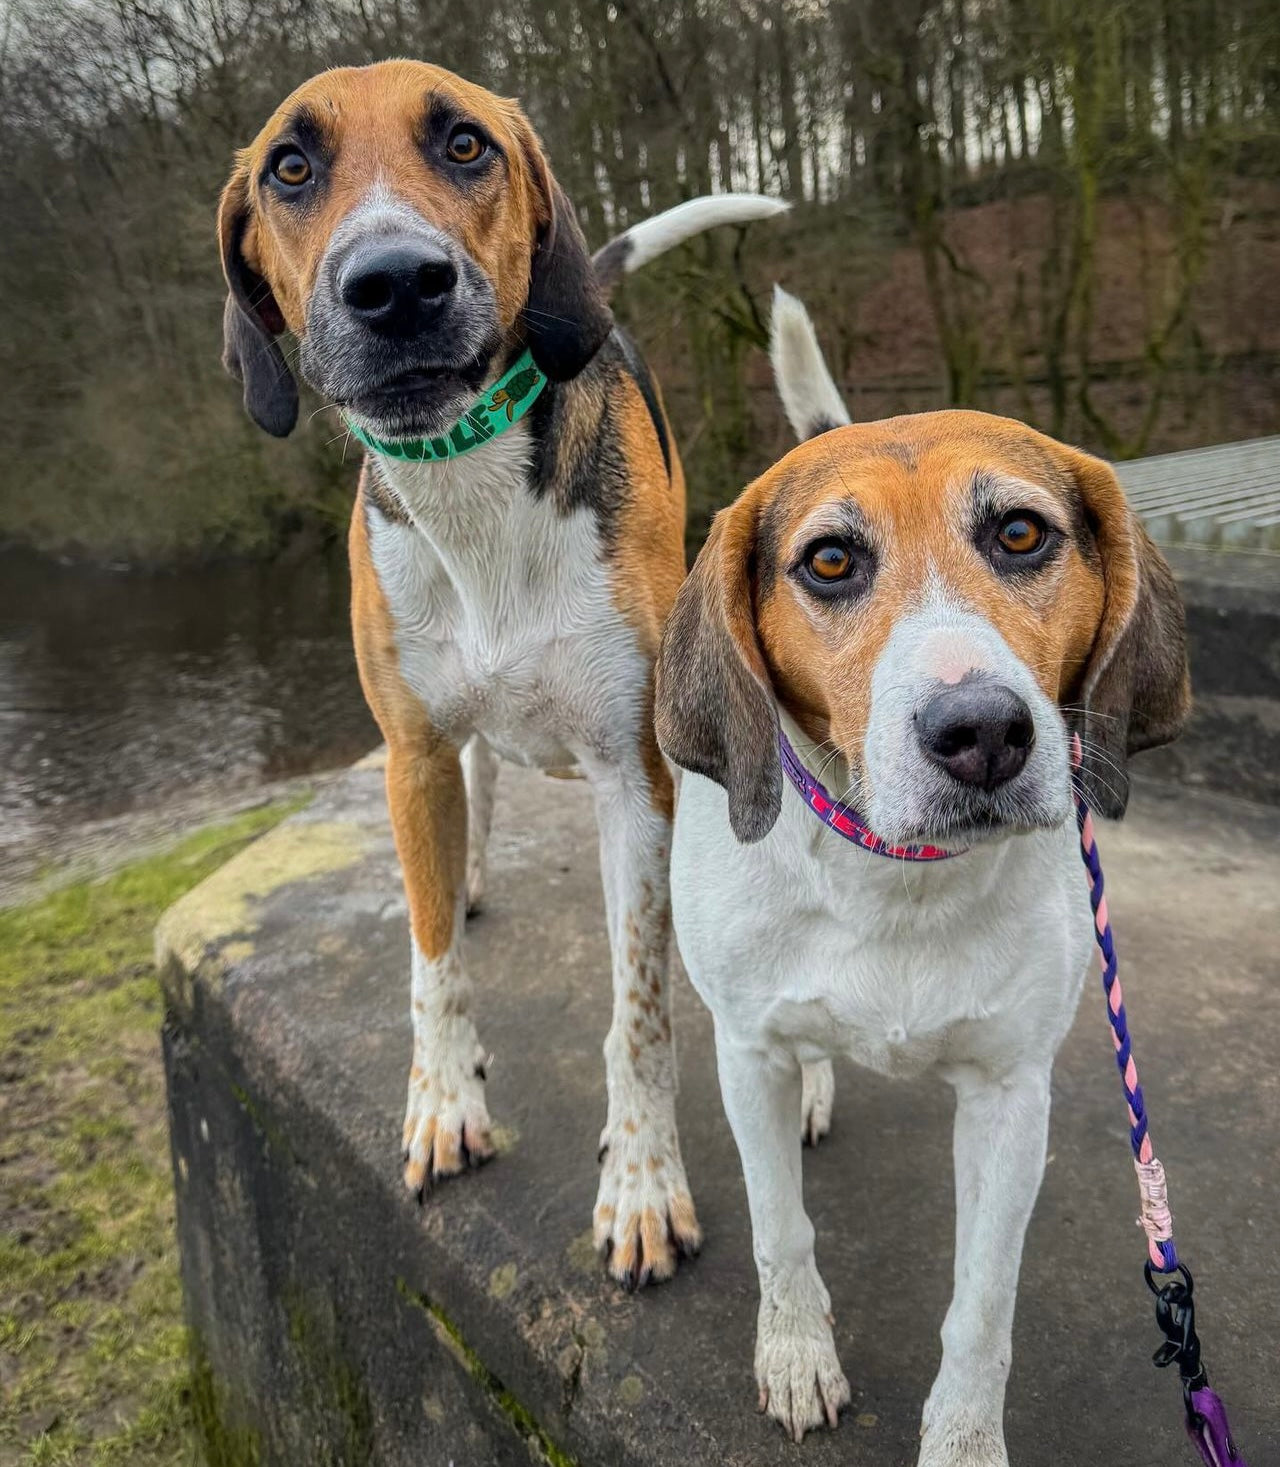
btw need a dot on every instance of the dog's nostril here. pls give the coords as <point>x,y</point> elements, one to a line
<point>370,293</point>
<point>436,278</point>
<point>1020,734</point>
<point>951,740</point>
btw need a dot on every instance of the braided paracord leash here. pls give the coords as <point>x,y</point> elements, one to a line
<point>1206,1422</point>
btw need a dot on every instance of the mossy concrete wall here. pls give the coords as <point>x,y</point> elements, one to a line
<point>312,1341</point>
<point>336,1322</point>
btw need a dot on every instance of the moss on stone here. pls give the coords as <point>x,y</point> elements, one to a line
<point>334,1386</point>
<point>540,1446</point>
<point>217,916</point>
<point>270,1133</point>
<point>90,1300</point>
<point>222,1442</point>
<point>631,1390</point>
<point>502,1280</point>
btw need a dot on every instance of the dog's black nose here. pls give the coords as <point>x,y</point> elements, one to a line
<point>397,288</point>
<point>979,732</point>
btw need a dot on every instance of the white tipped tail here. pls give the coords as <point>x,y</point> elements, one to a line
<point>810,397</point>
<point>653,237</point>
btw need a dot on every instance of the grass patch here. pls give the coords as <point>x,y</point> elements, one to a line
<point>94,1364</point>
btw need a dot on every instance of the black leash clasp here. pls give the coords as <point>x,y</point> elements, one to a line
<point>1176,1316</point>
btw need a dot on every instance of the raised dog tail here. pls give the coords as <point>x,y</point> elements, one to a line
<point>646,241</point>
<point>810,397</point>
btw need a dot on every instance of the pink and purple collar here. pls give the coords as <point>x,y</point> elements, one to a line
<point>840,818</point>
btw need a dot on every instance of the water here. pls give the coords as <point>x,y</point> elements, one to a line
<point>126,695</point>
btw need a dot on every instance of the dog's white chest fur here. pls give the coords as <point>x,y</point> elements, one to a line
<point>809,944</point>
<point>503,617</point>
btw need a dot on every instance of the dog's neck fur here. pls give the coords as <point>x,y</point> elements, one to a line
<point>465,499</point>
<point>471,499</point>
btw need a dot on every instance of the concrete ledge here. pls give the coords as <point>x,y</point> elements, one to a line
<point>1233,630</point>
<point>335,1322</point>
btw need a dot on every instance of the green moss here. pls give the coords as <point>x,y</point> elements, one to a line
<point>541,1448</point>
<point>222,1443</point>
<point>336,1389</point>
<point>502,1280</point>
<point>219,913</point>
<point>270,1133</point>
<point>631,1390</point>
<point>90,1301</point>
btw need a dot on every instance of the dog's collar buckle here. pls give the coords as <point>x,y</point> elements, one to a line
<point>846,822</point>
<point>496,410</point>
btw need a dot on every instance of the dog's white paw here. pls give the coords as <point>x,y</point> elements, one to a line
<point>963,1443</point>
<point>797,1369</point>
<point>644,1220</point>
<point>446,1122</point>
<point>817,1099</point>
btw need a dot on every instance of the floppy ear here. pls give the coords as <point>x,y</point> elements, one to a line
<point>251,321</point>
<point>1135,688</point>
<point>566,316</point>
<point>714,705</point>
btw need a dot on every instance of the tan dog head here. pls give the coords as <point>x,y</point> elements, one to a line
<point>931,595</point>
<point>404,224</point>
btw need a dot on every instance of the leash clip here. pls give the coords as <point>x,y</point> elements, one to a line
<point>1207,1424</point>
<point>1176,1317</point>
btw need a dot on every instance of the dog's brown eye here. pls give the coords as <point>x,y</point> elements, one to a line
<point>292,169</point>
<point>1021,534</point>
<point>465,146</point>
<point>830,561</point>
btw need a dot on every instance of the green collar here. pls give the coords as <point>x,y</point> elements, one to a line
<point>506,402</point>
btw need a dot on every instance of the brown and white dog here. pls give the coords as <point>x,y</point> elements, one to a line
<point>928,607</point>
<point>405,226</point>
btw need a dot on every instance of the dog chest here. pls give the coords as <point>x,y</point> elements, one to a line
<point>903,969</point>
<point>896,1018</point>
<point>505,625</point>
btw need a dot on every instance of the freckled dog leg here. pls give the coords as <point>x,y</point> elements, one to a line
<point>1002,1126</point>
<point>797,1370</point>
<point>446,1122</point>
<point>480,769</point>
<point>644,1216</point>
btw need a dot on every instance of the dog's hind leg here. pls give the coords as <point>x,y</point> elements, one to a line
<point>480,769</point>
<point>817,1099</point>
<point>644,1217</point>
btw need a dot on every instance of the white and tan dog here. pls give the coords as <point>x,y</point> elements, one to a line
<point>927,607</point>
<point>405,226</point>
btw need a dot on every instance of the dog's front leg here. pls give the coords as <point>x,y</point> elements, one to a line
<point>446,1122</point>
<point>797,1370</point>
<point>1002,1127</point>
<point>644,1216</point>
